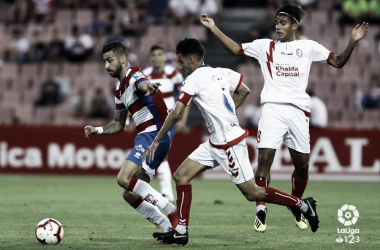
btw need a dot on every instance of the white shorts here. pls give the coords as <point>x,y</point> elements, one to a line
<point>284,122</point>
<point>234,160</point>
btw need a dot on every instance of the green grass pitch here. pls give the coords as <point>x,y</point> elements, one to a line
<point>95,216</point>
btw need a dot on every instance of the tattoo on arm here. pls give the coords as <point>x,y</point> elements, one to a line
<point>117,124</point>
<point>345,55</point>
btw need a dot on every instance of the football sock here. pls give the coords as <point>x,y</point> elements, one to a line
<point>165,179</point>
<point>261,182</point>
<point>152,214</point>
<point>298,187</point>
<point>304,207</point>
<point>275,196</point>
<point>184,196</point>
<point>150,195</point>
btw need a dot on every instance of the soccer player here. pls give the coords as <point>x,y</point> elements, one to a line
<point>134,93</point>
<point>170,79</point>
<point>210,89</point>
<point>285,64</point>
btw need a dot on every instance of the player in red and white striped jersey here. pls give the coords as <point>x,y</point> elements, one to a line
<point>170,79</point>
<point>135,94</point>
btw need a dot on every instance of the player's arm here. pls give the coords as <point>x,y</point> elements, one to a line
<point>240,94</point>
<point>338,61</point>
<point>181,126</point>
<point>170,121</point>
<point>148,87</point>
<point>114,127</point>
<point>228,43</point>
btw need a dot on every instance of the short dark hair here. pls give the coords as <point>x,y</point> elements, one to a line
<point>294,10</point>
<point>155,47</point>
<point>116,47</point>
<point>190,46</point>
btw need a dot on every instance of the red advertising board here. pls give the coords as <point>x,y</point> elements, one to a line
<point>336,154</point>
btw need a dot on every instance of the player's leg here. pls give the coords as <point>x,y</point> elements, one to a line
<point>164,175</point>
<point>146,209</point>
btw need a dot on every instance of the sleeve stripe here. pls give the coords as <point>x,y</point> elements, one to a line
<point>330,55</point>
<point>137,83</point>
<point>241,49</point>
<point>185,98</point>
<point>240,81</point>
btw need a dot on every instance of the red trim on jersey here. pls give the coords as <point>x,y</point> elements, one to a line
<point>328,58</point>
<point>241,49</point>
<point>136,106</point>
<point>124,85</point>
<point>225,146</point>
<point>184,98</point>
<point>119,106</point>
<point>146,124</point>
<point>307,113</point>
<point>175,71</point>
<point>240,81</point>
<point>168,94</point>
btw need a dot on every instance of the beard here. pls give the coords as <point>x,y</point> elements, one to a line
<point>116,73</point>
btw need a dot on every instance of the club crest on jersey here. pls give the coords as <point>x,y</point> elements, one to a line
<point>299,52</point>
<point>137,75</point>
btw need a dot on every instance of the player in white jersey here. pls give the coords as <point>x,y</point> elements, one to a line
<point>135,94</point>
<point>170,79</point>
<point>285,64</point>
<point>210,88</point>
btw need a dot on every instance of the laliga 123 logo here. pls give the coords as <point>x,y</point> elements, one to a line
<point>348,215</point>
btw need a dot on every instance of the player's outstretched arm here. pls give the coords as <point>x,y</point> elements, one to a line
<point>240,94</point>
<point>170,121</point>
<point>338,61</point>
<point>228,43</point>
<point>114,127</point>
<point>149,88</point>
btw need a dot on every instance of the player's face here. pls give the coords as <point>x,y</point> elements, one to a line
<point>185,64</point>
<point>113,64</point>
<point>284,28</point>
<point>158,58</point>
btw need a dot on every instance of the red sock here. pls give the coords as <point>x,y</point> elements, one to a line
<point>261,182</point>
<point>184,196</point>
<point>275,196</point>
<point>298,187</point>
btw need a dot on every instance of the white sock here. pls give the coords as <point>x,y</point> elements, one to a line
<point>181,229</point>
<point>260,207</point>
<point>304,207</point>
<point>154,215</point>
<point>165,179</point>
<point>150,195</point>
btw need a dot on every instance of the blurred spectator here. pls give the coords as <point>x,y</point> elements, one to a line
<point>267,23</point>
<point>353,12</point>
<point>50,93</point>
<point>37,49</point>
<point>17,48</point>
<point>97,24</point>
<point>188,11</point>
<point>56,47</point>
<point>252,114</point>
<point>306,4</point>
<point>78,46</point>
<point>79,105</point>
<point>157,9</point>
<point>43,10</point>
<point>99,105</point>
<point>18,12</point>
<point>108,28</point>
<point>116,36</point>
<point>300,34</point>
<point>319,115</point>
<point>371,96</point>
<point>374,12</point>
<point>133,22</point>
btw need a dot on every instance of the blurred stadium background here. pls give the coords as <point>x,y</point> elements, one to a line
<point>53,83</point>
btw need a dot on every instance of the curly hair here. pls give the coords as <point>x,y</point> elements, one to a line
<point>294,11</point>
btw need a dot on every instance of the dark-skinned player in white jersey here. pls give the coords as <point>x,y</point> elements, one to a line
<point>285,64</point>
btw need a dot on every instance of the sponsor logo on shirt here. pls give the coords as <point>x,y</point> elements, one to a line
<point>287,71</point>
<point>288,54</point>
<point>137,75</point>
<point>137,155</point>
<point>139,148</point>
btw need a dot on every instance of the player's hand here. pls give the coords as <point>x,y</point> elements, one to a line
<point>90,131</point>
<point>206,21</point>
<point>152,88</point>
<point>151,151</point>
<point>359,32</point>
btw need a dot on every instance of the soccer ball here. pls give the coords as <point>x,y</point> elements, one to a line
<point>49,231</point>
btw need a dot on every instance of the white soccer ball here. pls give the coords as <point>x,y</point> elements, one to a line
<point>49,231</point>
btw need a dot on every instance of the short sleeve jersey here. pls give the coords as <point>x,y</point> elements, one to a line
<point>170,79</point>
<point>148,112</point>
<point>210,88</point>
<point>286,68</point>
